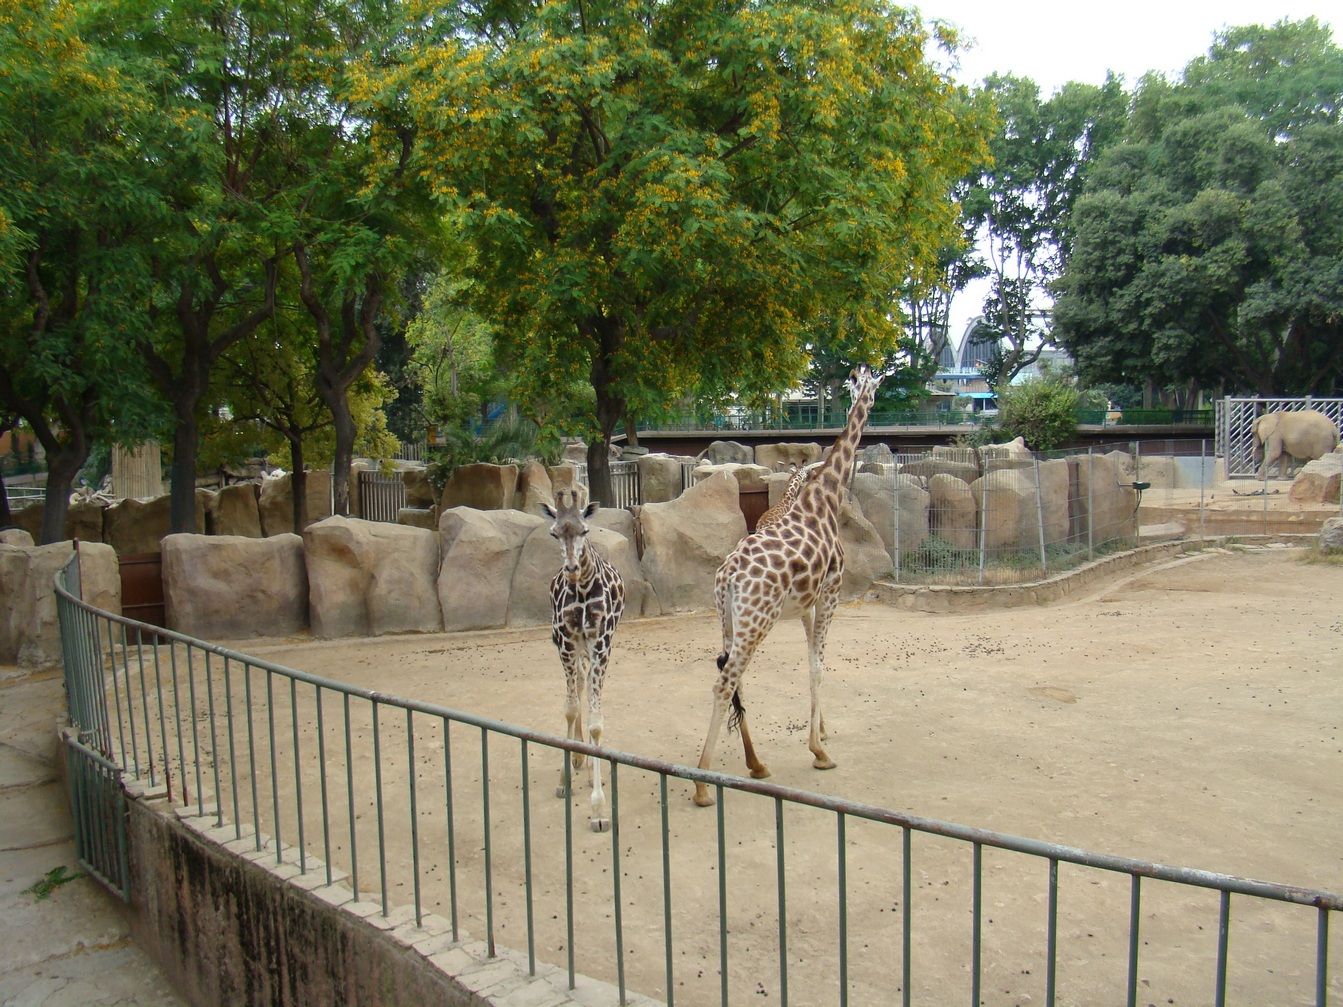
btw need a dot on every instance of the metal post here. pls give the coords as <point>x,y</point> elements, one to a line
<point>895,506</point>
<point>1040,512</point>
<point>1091,503</point>
<point>1202,483</point>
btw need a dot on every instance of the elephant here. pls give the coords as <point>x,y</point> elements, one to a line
<point>1304,435</point>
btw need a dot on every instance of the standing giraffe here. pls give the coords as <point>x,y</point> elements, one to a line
<point>790,492</point>
<point>791,567</point>
<point>588,598</point>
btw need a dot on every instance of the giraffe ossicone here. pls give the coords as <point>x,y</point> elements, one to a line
<point>587,600</point>
<point>793,566</point>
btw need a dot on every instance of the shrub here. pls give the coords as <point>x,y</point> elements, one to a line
<point>1040,410</point>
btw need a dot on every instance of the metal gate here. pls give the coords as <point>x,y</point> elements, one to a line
<point>1235,422</point>
<point>97,800</point>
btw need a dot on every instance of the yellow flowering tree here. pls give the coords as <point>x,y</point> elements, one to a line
<point>663,196</point>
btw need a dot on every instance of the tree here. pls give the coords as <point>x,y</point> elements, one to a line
<point>667,197</point>
<point>1022,204</point>
<point>81,199</point>
<point>1209,245</point>
<point>1041,410</point>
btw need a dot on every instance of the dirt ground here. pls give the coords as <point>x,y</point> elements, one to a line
<point>1189,714</point>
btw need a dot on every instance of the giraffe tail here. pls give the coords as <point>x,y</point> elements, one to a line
<point>738,711</point>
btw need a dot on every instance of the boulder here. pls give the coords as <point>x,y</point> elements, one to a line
<point>29,628</point>
<point>748,476</point>
<point>418,517</point>
<point>1318,480</point>
<point>660,477</point>
<point>534,488</point>
<point>482,486</point>
<point>84,521</point>
<point>540,559</point>
<point>480,550</point>
<point>368,578</point>
<point>932,465</point>
<point>1331,535</point>
<point>1008,514</point>
<point>16,536</point>
<point>729,452</point>
<point>565,477</point>
<point>358,466</point>
<point>1055,487</point>
<point>1012,451</point>
<point>953,515</point>
<point>781,457</point>
<point>28,519</point>
<point>884,469</point>
<point>897,506</point>
<point>228,587</point>
<point>686,540</point>
<point>865,556</point>
<point>876,454</point>
<point>276,501</point>
<point>234,511</point>
<point>419,491</point>
<point>133,527</point>
<point>1103,504</point>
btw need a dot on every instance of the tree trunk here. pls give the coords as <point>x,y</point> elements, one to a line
<point>182,494</point>
<point>6,518</point>
<point>631,431</point>
<point>63,464</point>
<point>298,484</point>
<point>340,465</point>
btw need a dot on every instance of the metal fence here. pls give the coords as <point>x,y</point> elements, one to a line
<point>961,516</point>
<point>1235,426</point>
<point>624,483</point>
<point>381,497</point>
<point>410,804</point>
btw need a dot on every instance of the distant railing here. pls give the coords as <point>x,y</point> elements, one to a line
<point>624,483</point>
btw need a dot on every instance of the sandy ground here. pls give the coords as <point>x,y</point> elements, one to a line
<point>1189,714</point>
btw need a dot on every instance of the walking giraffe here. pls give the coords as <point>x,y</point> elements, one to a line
<point>587,598</point>
<point>791,567</point>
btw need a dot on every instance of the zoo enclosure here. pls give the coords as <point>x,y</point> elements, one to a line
<point>448,824</point>
<point>1234,424</point>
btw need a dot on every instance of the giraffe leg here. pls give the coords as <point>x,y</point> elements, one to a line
<point>759,771</point>
<point>729,677</point>
<point>817,625</point>
<point>573,714</point>
<point>601,818</point>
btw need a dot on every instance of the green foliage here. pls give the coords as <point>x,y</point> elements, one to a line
<point>1041,410</point>
<point>1208,246</point>
<point>509,439</point>
<point>670,199</point>
<point>42,889</point>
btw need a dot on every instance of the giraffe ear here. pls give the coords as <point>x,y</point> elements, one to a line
<point>590,509</point>
<point>548,510</point>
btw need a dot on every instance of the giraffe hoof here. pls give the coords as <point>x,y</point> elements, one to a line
<point>823,763</point>
<point>577,760</point>
<point>760,772</point>
<point>561,791</point>
<point>601,825</point>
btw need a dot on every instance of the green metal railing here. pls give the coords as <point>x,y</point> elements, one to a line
<point>408,802</point>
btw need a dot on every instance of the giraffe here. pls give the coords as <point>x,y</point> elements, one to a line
<point>587,598</point>
<point>785,503</point>
<point>791,567</point>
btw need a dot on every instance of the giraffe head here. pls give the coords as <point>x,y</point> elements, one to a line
<point>862,384</point>
<point>570,529</point>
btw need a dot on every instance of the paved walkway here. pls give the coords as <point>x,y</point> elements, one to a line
<point>63,943</point>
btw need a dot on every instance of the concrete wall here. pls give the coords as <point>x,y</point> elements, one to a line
<point>230,926</point>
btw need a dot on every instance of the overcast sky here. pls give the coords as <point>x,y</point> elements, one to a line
<point>1053,42</point>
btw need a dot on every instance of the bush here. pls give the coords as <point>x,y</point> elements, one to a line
<point>1040,410</point>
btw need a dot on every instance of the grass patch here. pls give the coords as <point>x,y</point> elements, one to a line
<point>41,890</point>
<point>1315,556</point>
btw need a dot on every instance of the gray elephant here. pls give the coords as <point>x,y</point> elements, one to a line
<point>1304,435</point>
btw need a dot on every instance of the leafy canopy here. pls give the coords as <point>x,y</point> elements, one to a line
<point>665,197</point>
<point>1209,244</point>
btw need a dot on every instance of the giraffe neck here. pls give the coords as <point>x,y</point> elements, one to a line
<point>832,477</point>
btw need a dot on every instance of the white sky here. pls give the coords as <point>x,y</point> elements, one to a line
<point>1053,42</point>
